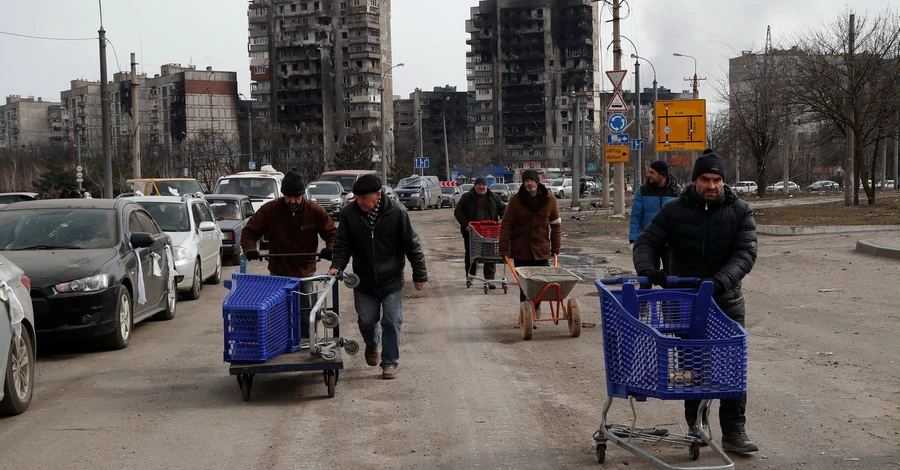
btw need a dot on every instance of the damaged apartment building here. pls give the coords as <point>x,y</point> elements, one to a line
<point>318,69</point>
<point>527,60</point>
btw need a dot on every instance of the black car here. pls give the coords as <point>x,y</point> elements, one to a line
<point>97,266</point>
<point>232,212</point>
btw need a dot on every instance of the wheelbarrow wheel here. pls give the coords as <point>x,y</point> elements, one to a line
<point>246,383</point>
<point>574,317</point>
<point>526,319</point>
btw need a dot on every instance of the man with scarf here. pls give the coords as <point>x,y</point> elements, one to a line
<point>477,205</point>
<point>659,189</point>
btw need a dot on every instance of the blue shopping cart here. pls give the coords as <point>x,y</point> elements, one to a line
<point>670,344</point>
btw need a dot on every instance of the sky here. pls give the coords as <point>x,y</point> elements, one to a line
<point>428,37</point>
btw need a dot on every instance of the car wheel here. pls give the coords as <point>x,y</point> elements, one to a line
<point>171,294</point>
<point>235,259</point>
<point>19,384</point>
<point>217,275</point>
<point>421,204</point>
<point>453,203</point>
<point>194,293</point>
<point>121,335</point>
<point>562,194</point>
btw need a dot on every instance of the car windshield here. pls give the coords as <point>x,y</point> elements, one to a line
<point>556,183</point>
<point>170,216</point>
<point>178,187</point>
<point>225,209</point>
<point>498,187</point>
<point>323,189</point>
<point>447,189</point>
<point>410,183</point>
<point>47,229</point>
<point>257,188</point>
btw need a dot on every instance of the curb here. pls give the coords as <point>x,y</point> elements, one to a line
<point>788,230</point>
<point>871,248</point>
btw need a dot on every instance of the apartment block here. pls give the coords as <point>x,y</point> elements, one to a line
<point>434,106</point>
<point>82,100</point>
<point>319,66</point>
<point>527,60</point>
<point>26,121</point>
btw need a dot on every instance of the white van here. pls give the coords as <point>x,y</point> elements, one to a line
<point>260,186</point>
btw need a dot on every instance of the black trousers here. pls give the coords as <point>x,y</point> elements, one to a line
<point>529,262</point>
<point>490,269</point>
<point>731,410</point>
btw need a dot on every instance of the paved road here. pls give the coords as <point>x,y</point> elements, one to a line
<point>471,393</point>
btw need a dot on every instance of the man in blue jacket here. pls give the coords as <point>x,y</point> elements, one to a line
<point>659,189</point>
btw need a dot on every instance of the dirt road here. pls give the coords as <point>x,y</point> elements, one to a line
<point>470,393</point>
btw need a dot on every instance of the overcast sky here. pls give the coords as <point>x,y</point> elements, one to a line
<point>428,36</point>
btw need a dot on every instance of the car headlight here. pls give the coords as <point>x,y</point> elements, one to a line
<point>180,253</point>
<point>336,200</point>
<point>87,284</point>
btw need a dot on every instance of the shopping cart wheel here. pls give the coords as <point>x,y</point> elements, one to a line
<point>330,382</point>
<point>468,283</point>
<point>246,382</point>
<point>485,288</point>
<point>505,288</point>
<point>351,347</point>
<point>330,320</point>
<point>526,319</point>
<point>574,317</point>
<point>351,280</point>
<point>601,452</point>
<point>695,451</point>
<point>328,354</point>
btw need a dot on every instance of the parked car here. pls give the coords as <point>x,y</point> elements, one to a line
<point>196,238</point>
<point>346,178</point>
<point>232,212</point>
<point>163,186</point>
<point>9,198</point>
<point>888,184</point>
<point>390,193</point>
<point>502,189</point>
<point>260,186</point>
<point>82,257</point>
<point>450,196</point>
<point>560,187</point>
<point>328,194</point>
<point>419,192</point>
<point>745,187</point>
<point>779,187</point>
<point>823,186</point>
<point>18,344</point>
<point>466,187</point>
<point>513,187</point>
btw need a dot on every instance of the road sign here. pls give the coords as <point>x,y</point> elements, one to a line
<point>79,180</point>
<point>616,77</point>
<point>617,104</point>
<point>185,172</point>
<point>616,154</point>
<point>680,125</point>
<point>637,144</point>
<point>422,162</point>
<point>617,123</point>
<point>616,139</point>
<point>79,175</point>
<point>592,167</point>
<point>79,168</point>
<point>252,165</point>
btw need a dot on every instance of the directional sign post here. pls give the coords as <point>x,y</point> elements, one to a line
<point>252,165</point>
<point>637,144</point>
<point>680,125</point>
<point>617,123</point>
<point>617,139</point>
<point>616,154</point>
<point>421,162</point>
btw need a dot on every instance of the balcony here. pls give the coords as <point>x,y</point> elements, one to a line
<point>363,9</point>
<point>365,114</point>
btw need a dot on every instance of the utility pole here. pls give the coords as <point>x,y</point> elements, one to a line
<point>849,167</point>
<point>446,150</point>
<point>576,147</point>
<point>273,84</point>
<point>897,154</point>
<point>619,203</point>
<point>421,170</point>
<point>383,137</point>
<point>638,164</point>
<point>78,152</point>
<point>104,117</point>
<point>135,121</point>
<point>583,135</point>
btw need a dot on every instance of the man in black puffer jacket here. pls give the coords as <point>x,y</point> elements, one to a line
<point>477,205</point>
<point>379,237</point>
<point>712,235</point>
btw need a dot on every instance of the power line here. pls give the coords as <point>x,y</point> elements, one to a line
<point>46,38</point>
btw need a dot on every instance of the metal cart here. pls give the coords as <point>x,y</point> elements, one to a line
<point>484,247</point>
<point>279,324</point>
<point>670,344</point>
<point>550,285</point>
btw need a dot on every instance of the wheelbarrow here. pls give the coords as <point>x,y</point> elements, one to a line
<point>550,284</point>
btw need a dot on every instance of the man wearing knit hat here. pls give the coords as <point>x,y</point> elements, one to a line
<point>712,236</point>
<point>477,205</point>
<point>379,236</point>
<point>659,189</point>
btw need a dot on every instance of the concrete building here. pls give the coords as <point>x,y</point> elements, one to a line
<point>527,60</point>
<point>82,100</point>
<point>434,105</point>
<point>318,66</point>
<point>26,121</point>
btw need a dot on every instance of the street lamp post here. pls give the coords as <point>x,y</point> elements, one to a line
<point>655,96</point>
<point>446,150</point>
<point>251,125</point>
<point>695,80</point>
<point>384,160</point>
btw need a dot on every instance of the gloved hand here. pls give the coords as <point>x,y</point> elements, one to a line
<point>326,253</point>
<point>252,255</point>
<point>657,277</point>
<point>718,288</point>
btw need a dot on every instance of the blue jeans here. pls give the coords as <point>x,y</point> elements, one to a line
<point>369,310</point>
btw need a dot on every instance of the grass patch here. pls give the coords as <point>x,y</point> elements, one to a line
<point>886,211</point>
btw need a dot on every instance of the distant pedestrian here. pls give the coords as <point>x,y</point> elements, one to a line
<point>659,189</point>
<point>477,205</point>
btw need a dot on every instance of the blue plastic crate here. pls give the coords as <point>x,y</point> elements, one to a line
<point>673,344</point>
<point>258,317</point>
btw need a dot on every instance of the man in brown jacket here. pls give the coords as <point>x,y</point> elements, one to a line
<point>293,225</point>
<point>531,231</point>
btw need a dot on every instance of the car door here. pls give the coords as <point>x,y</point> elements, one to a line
<point>210,241</point>
<point>160,240</point>
<point>152,289</point>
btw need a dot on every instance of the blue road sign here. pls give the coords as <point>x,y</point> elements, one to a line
<point>252,165</point>
<point>637,144</point>
<point>592,167</point>
<point>617,139</point>
<point>422,162</point>
<point>617,123</point>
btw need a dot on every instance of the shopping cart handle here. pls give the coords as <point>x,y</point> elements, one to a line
<point>672,280</point>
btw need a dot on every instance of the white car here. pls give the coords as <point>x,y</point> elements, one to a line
<point>16,351</point>
<point>779,187</point>
<point>196,238</point>
<point>560,187</point>
<point>745,187</point>
<point>260,186</point>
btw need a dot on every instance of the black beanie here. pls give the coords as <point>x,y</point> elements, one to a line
<point>709,163</point>
<point>366,184</point>
<point>292,184</point>
<point>660,167</point>
<point>480,180</point>
<point>531,174</point>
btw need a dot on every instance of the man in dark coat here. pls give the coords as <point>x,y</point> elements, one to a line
<point>712,235</point>
<point>477,205</point>
<point>659,189</point>
<point>379,236</point>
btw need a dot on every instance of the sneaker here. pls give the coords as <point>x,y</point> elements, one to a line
<point>738,442</point>
<point>372,354</point>
<point>694,431</point>
<point>389,372</point>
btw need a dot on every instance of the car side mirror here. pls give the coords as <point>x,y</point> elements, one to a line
<point>344,193</point>
<point>251,213</point>
<point>207,226</point>
<point>141,240</point>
